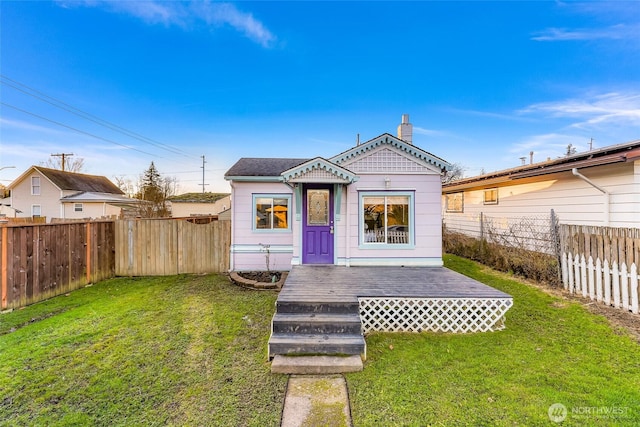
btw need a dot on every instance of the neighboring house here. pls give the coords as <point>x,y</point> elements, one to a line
<point>196,204</point>
<point>600,187</point>
<point>52,193</point>
<point>376,204</point>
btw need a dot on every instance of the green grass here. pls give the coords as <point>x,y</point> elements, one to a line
<point>180,350</point>
<point>552,351</point>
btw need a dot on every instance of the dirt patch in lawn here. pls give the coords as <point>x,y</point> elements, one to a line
<point>622,321</point>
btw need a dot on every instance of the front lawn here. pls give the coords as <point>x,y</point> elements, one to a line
<point>552,351</point>
<point>179,350</point>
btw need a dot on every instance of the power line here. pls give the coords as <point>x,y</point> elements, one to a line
<point>203,163</point>
<point>63,155</point>
<point>88,116</point>
<point>77,130</point>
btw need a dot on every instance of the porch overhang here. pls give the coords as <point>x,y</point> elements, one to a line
<point>319,170</point>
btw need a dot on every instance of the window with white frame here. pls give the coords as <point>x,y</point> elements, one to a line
<point>490,196</point>
<point>454,202</point>
<point>36,211</point>
<point>386,218</point>
<point>77,207</point>
<point>271,211</point>
<point>35,185</point>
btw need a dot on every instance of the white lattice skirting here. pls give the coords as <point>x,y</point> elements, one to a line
<point>458,315</point>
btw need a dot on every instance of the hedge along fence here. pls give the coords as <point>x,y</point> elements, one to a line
<point>601,263</point>
<point>524,246</point>
<point>39,261</point>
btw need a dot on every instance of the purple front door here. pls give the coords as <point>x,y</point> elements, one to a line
<point>317,227</point>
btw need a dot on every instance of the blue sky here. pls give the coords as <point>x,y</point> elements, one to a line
<point>484,83</point>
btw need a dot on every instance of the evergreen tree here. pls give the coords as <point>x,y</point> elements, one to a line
<point>154,189</point>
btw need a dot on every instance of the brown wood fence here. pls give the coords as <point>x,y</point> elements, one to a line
<point>601,263</point>
<point>38,261</point>
<point>152,247</point>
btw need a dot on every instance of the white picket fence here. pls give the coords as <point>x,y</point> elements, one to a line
<point>601,264</point>
<point>609,284</point>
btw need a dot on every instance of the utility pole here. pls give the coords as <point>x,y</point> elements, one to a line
<point>63,155</point>
<point>203,163</point>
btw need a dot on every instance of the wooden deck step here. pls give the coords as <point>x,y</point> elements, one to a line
<point>309,344</point>
<point>317,323</point>
<point>309,306</point>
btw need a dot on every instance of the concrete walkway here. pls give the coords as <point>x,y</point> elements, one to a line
<point>316,400</point>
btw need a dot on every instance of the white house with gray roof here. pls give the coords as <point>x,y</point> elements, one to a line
<point>52,193</point>
<point>375,204</point>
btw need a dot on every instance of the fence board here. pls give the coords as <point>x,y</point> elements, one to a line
<point>152,247</point>
<point>39,261</point>
<point>616,253</point>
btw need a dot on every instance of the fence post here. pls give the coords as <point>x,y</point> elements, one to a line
<point>555,237</point>
<point>4,260</point>
<point>88,253</point>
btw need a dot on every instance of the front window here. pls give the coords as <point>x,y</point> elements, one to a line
<point>271,212</point>
<point>386,219</point>
<point>36,211</point>
<point>35,185</point>
<point>77,207</point>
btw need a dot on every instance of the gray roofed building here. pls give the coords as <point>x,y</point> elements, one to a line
<point>51,193</point>
<point>79,182</point>
<point>251,166</point>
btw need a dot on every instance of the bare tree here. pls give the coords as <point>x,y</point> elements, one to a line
<point>75,165</point>
<point>126,185</point>
<point>456,173</point>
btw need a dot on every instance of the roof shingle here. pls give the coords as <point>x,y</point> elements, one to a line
<point>79,182</point>
<point>251,166</point>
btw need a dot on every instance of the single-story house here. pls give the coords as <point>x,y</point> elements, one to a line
<point>52,193</point>
<point>197,204</point>
<point>600,187</point>
<point>375,204</point>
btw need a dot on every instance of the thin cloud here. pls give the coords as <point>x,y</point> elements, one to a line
<point>20,125</point>
<point>429,132</point>
<point>605,109</point>
<point>546,146</point>
<point>615,32</point>
<point>488,114</point>
<point>227,13</point>
<point>185,15</point>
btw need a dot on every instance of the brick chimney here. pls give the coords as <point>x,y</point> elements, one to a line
<point>405,130</point>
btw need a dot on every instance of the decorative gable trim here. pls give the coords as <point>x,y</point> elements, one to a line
<point>385,159</point>
<point>319,170</point>
<point>389,140</point>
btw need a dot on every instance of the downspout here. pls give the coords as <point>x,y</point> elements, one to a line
<point>597,187</point>
<point>233,212</point>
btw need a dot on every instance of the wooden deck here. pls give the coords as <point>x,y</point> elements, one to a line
<point>327,309</point>
<point>346,284</point>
